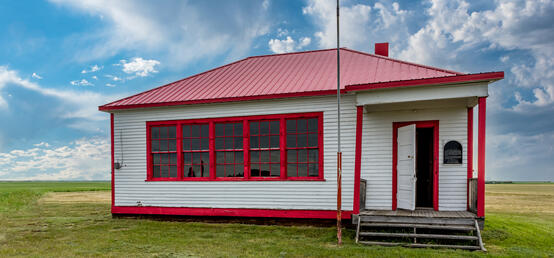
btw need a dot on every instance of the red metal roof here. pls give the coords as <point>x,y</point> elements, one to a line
<point>282,75</point>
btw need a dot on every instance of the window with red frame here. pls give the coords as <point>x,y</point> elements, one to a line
<point>302,147</point>
<point>279,147</point>
<point>265,154</point>
<point>164,151</point>
<point>196,150</point>
<point>229,149</point>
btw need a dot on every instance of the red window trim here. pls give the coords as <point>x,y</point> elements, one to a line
<point>179,155</point>
<point>246,149</point>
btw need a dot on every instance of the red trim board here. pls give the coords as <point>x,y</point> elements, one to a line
<point>358,158</point>
<point>466,78</point>
<point>469,150</point>
<point>419,124</point>
<point>219,100</point>
<point>231,212</point>
<point>481,157</point>
<point>112,157</point>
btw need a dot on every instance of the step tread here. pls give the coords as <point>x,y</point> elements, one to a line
<point>437,236</point>
<point>416,225</point>
<point>417,220</point>
<point>467,247</point>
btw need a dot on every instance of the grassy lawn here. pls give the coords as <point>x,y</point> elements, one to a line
<point>72,219</point>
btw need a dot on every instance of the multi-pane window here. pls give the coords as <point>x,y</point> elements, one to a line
<point>229,150</point>
<point>265,153</point>
<point>196,150</point>
<point>302,147</point>
<point>269,147</point>
<point>164,151</point>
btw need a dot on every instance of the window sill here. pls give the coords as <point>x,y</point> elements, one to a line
<point>231,179</point>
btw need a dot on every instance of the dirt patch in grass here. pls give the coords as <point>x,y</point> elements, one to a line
<point>77,197</point>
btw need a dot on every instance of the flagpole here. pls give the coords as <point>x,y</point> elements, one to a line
<point>339,153</point>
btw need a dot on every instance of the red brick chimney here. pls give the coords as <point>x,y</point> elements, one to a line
<point>382,49</point>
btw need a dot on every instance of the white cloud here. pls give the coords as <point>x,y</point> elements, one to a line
<point>45,144</point>
<point>139,66</point>
<point>36,76</point>
<point>110,85</point>
<point>288,44</point>
<point>511,25</point>
<point>360,24</point>
<point>77,104</point>
<point>92,69</point>
<point>282,32</point>
<point>178,30</point>
<point>353,22</point>
<point>82,82</point>
<point>87,158</point>
<point>94,77</point>
<point>113,77</point>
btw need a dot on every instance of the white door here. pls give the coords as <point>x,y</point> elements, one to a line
<point>405,191</point>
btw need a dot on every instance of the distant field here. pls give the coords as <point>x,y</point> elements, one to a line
<point>66,219</point>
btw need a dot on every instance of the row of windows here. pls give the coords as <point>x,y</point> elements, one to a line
<point>283,146</point>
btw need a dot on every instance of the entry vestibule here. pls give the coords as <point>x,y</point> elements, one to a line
<point>415,164</point>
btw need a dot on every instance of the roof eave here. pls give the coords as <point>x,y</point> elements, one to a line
<point>456,79</point>
<point>466,78</point>
<point>108,108</point>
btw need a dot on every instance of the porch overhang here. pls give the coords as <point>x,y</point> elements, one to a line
<point>464,94</point>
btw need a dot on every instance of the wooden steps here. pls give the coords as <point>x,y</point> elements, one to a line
<point>419,232</point>
<point>413,225</point>
<point>464,247</point>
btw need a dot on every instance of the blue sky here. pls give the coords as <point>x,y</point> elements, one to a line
<point>61,59</point>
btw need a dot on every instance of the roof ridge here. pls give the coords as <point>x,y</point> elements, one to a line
<point>404,62</point>
<point>295,53</point>
<point>174,82</point>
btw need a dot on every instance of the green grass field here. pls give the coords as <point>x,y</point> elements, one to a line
<point>63,219</point>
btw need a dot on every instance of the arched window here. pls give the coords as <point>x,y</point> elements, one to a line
<point>452,153</point>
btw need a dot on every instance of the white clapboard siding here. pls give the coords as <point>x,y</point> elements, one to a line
<point>131,187</point>
<point>377,155</point>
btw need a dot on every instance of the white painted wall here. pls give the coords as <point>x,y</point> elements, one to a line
<point>130,184</point>
<point>377,155</point>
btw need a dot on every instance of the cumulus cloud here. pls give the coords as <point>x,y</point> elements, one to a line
<point>139,66</point>
<point>82,82</point>
<point>92,69</point>
<point>361,25</point>
<point>110,85</point>
<point>453,28</point>
<point>288,44</point>
<point>178,30</point>
<point>36,76</point>
<point>86,158</point>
